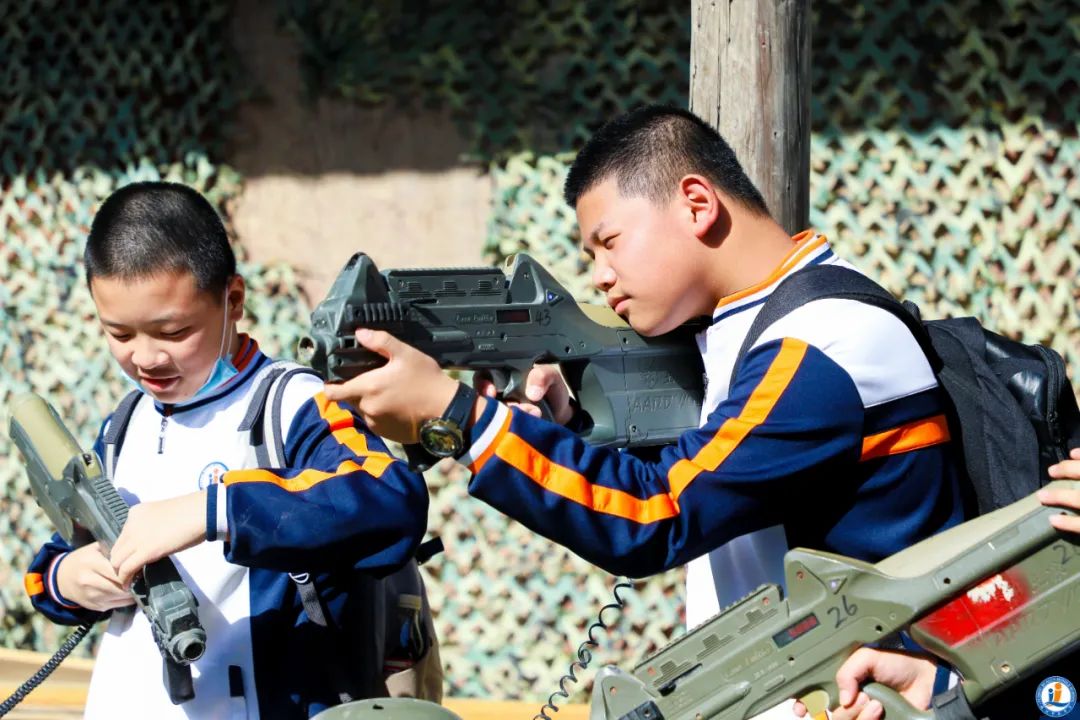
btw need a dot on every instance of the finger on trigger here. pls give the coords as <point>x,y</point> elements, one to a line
<point>1068,523</point>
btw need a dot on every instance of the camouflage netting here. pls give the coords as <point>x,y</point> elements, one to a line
<point>944,158</point>
<point>529,75</point>
<point>94,97</point>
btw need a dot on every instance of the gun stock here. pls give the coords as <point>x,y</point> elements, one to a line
<point>83,505</point>
<point>992,597</point>
<point>635,390</point>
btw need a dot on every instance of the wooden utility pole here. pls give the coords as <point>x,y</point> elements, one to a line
<point>750,79</point>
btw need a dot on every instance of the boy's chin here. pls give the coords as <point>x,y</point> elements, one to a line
<point>647,328</point>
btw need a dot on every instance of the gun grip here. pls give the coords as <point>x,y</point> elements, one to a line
<point>896,707</point>
<point>509,385</point>
<point>178,681</point>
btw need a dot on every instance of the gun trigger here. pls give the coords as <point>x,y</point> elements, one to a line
<point>816,702</point>
<point>501,380</point>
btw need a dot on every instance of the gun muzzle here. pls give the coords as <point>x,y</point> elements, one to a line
<point>188,646</point>
<point>312,351</point>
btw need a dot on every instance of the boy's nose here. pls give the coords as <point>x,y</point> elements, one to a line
<point>603,277</point>
<point>146,355</point>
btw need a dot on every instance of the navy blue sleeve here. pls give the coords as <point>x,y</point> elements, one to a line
<point>342,501</point>
<point>40,584</point>
<point>792,411</point>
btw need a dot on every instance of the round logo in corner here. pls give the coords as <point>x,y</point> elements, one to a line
<point>1056,697</point>
<point>211,474</point>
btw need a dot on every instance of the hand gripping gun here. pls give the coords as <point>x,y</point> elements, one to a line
<point>634,390</point>
<point>996,598</point>
<point>83,505</point>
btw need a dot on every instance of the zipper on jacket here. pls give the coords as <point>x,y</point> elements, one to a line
<point>166,412</point>
<point>1052,391</point>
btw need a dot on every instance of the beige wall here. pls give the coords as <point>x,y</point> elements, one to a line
<point>327,178</point>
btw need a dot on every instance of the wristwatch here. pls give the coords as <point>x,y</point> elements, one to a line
<point>445,436</point>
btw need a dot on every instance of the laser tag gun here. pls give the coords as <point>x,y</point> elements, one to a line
<point>995,597</point>
<point>634,390</point>
<point>82,503</point>
<point>395,708</point>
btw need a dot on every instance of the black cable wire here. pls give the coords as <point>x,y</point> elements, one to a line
<point>584,655</point>
<point>39,677</point>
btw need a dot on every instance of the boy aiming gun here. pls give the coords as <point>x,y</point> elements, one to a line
<point>829,434</point>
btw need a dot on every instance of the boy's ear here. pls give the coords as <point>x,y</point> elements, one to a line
<point>704,208</point>
<point>235,292</point>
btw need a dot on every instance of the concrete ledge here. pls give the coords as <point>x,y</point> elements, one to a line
<point>62,696</point>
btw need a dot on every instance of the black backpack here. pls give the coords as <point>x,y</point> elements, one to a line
<point>1013,410</point>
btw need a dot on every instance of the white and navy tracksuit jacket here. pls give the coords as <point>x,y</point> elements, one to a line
<point>341,503</point>
<point>834,429</point>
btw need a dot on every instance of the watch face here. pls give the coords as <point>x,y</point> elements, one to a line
<point>441,438</point>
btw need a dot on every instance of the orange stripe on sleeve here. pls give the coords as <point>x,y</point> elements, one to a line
<point>298,483</point>
<point>490,450</point>
<point>341,425</point>
<point>912,436</point>
<point>34,584</point>
<point>570,484</point>
<point>573,486</point>
<point>344,431</point>
<point>734,430</point>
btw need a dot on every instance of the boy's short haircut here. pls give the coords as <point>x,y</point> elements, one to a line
<point>147,228</point>
<point>649,149</point>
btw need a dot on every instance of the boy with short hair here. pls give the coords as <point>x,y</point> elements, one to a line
<point>163,278</point>
<point>832,434</point>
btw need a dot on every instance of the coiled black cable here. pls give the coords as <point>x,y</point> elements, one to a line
<point>584,655</point>
<point>46,670</point>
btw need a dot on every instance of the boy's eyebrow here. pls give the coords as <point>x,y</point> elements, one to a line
<point>593,238</point>
<point>168,317</point>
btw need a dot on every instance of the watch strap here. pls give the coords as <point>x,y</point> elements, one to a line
<point>461,406</point>
<point>418,458</point>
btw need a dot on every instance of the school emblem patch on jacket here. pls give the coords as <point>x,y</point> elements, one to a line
<point>212,474</point>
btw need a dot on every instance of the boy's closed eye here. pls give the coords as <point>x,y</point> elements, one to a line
<point>167,334</point>
<point>175,334</point>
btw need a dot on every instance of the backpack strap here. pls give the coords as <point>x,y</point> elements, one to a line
<point>265,435</point>
<point>118,424</point>
<point>821,282</point>
<point>429,549</point>
<point>317,613</point>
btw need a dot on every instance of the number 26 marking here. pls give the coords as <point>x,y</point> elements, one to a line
<point>844,613</point>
